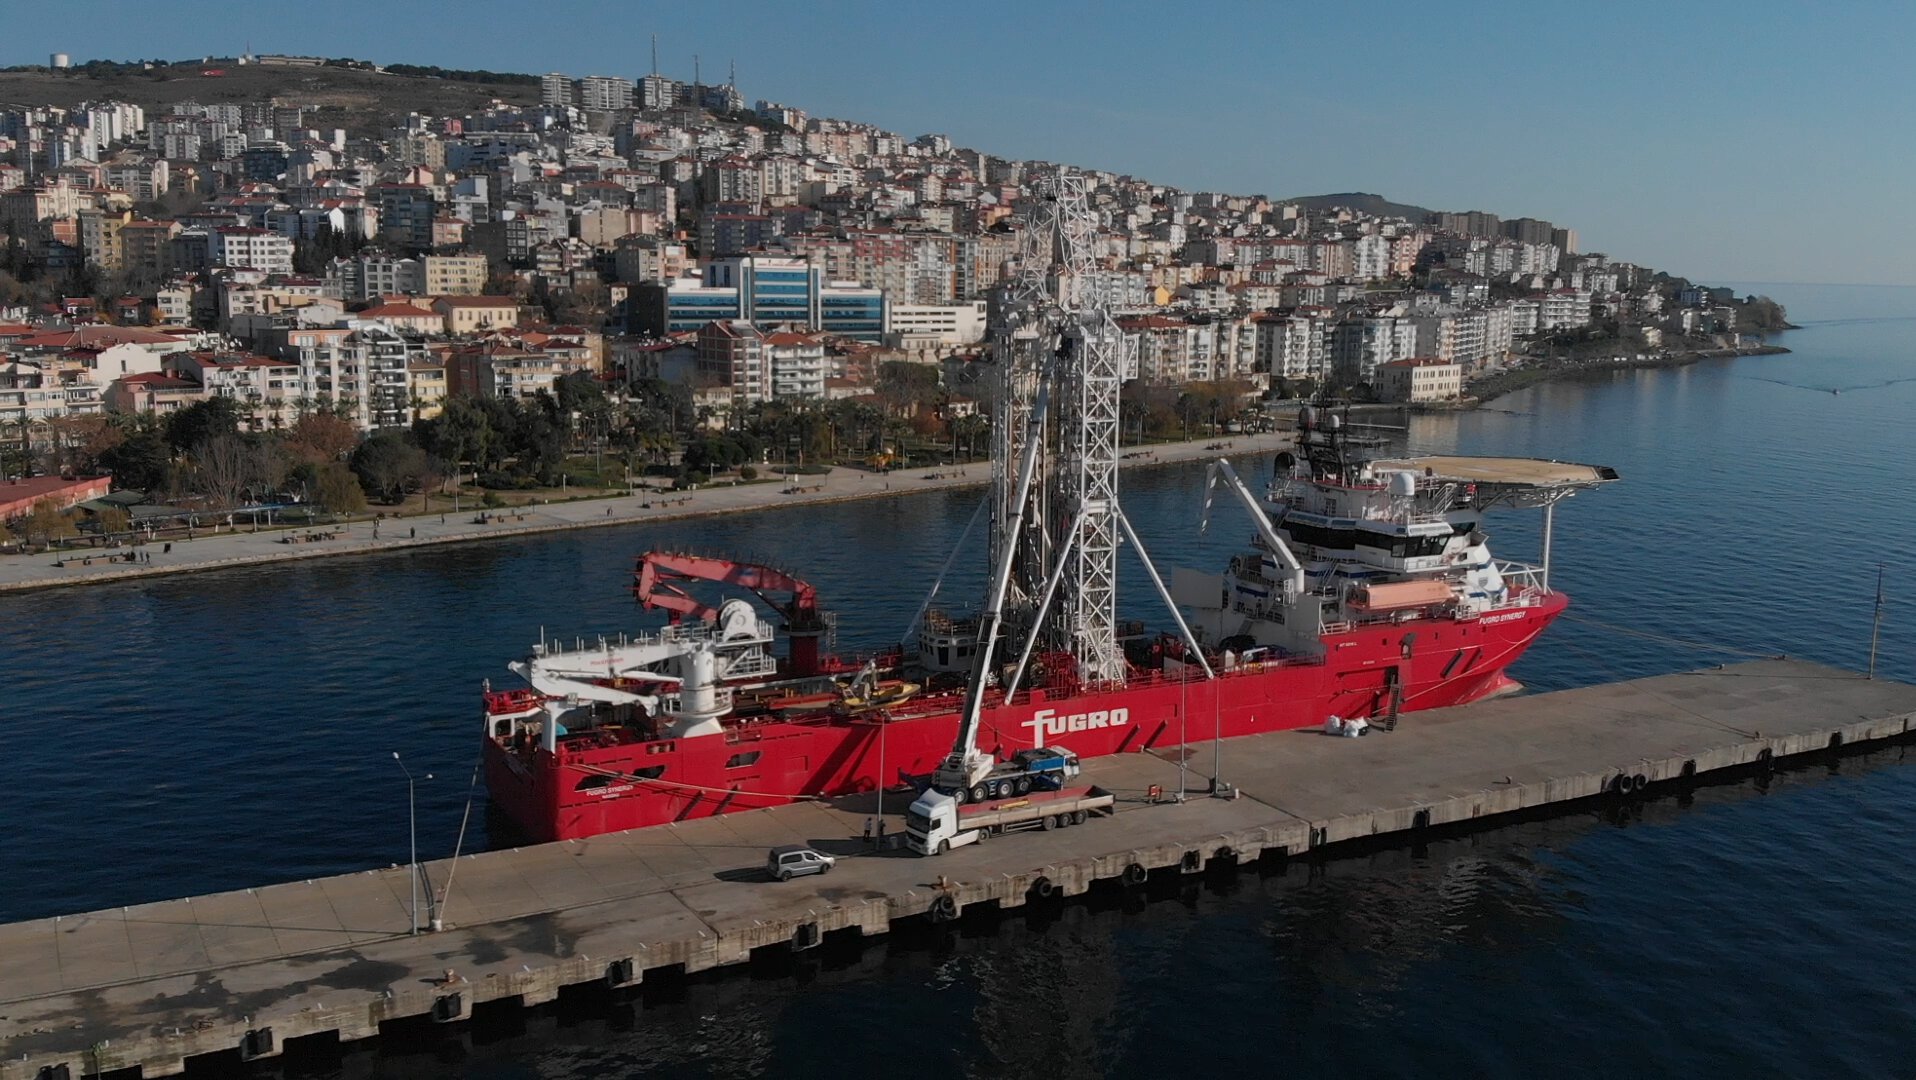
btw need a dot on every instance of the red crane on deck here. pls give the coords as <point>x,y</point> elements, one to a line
<point>660,577</point>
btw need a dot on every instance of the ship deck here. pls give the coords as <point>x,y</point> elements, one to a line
<point>154,984</point>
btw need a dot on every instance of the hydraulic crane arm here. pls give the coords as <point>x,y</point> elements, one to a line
<point>957,767</point>
<point>1294,570</point>
<point>658,583</point>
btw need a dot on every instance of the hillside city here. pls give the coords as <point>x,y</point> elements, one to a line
<point>221,305</point>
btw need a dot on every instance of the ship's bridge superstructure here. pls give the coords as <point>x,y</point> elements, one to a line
<point>1343,541</point>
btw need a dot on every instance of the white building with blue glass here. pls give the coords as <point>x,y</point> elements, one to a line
<point>766,292</point>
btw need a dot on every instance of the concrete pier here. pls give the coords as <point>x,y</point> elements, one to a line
<point>152,985</point>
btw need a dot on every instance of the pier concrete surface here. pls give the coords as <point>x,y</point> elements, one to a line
<point>152,985</point>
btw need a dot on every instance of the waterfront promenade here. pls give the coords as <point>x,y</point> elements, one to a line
<point>216,551</point>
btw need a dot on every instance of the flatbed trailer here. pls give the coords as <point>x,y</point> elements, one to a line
<point>937,822</point>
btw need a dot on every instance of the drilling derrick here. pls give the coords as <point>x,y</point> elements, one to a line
<point>1085,480</point>
<point>1056,334</point>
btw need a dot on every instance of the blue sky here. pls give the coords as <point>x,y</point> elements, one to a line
<point>1754,142</point>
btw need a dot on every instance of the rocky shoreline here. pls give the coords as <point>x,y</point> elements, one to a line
<point>1486,390</point>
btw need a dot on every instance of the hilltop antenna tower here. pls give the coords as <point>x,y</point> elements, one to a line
<point>655,54</point>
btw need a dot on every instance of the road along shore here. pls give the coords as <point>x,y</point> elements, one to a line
<point>226,550</point>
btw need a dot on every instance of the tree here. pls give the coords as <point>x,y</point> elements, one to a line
<point>45,523</point>
<point>903,386</point>
<point>78,441</point>
<point>540,447</point>
<point>389,465</point>
<point>114,519</point>
<point>462,432</point>
<point>1150,409</point>
<point>229,467</point>
<point>321,437</point>
<point>580,392</point>
<point>970,431</point>
<point>138,462</point>
<point>726,451</point>
<point>16,452</point>
<point>337,489</point>
<point>202,420</point>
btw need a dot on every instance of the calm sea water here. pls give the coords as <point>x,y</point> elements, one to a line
<point>223,730</point>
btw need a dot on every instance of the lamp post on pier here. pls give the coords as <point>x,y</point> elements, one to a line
<point>412,821</point>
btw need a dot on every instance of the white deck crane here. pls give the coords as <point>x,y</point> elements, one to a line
<point>966,764</point>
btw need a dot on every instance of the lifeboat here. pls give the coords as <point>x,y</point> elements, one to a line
<point>1399,595</point>
<point>886,692</point>
<point>801,702</point>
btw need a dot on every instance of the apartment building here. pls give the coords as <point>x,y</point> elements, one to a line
<point>1420,379</point>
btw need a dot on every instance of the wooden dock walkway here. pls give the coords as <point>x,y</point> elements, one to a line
<point>155,984</point>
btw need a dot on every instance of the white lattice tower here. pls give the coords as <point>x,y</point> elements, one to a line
<point>1084,477</point>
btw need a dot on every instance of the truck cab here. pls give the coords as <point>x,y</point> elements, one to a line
<point>931,825</point>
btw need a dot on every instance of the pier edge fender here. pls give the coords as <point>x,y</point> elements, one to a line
<point>621,972</point>
<point>257,1043</point>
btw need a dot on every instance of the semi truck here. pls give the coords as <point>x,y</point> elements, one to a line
<point>938,822</point>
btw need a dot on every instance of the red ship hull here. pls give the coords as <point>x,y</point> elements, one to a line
<point>608,781</point>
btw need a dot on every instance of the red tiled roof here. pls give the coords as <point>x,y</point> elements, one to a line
<point>39,487</point>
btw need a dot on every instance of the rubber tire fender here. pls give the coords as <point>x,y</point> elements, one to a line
<point>944,909</point>
<point>1133,874</point>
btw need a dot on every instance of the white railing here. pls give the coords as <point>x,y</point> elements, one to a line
<point>743,657</point>
<point>751,665</point>
<point>1517,573</point>
<point>674,704</point>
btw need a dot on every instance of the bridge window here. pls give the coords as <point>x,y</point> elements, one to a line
<point>740,761</point>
